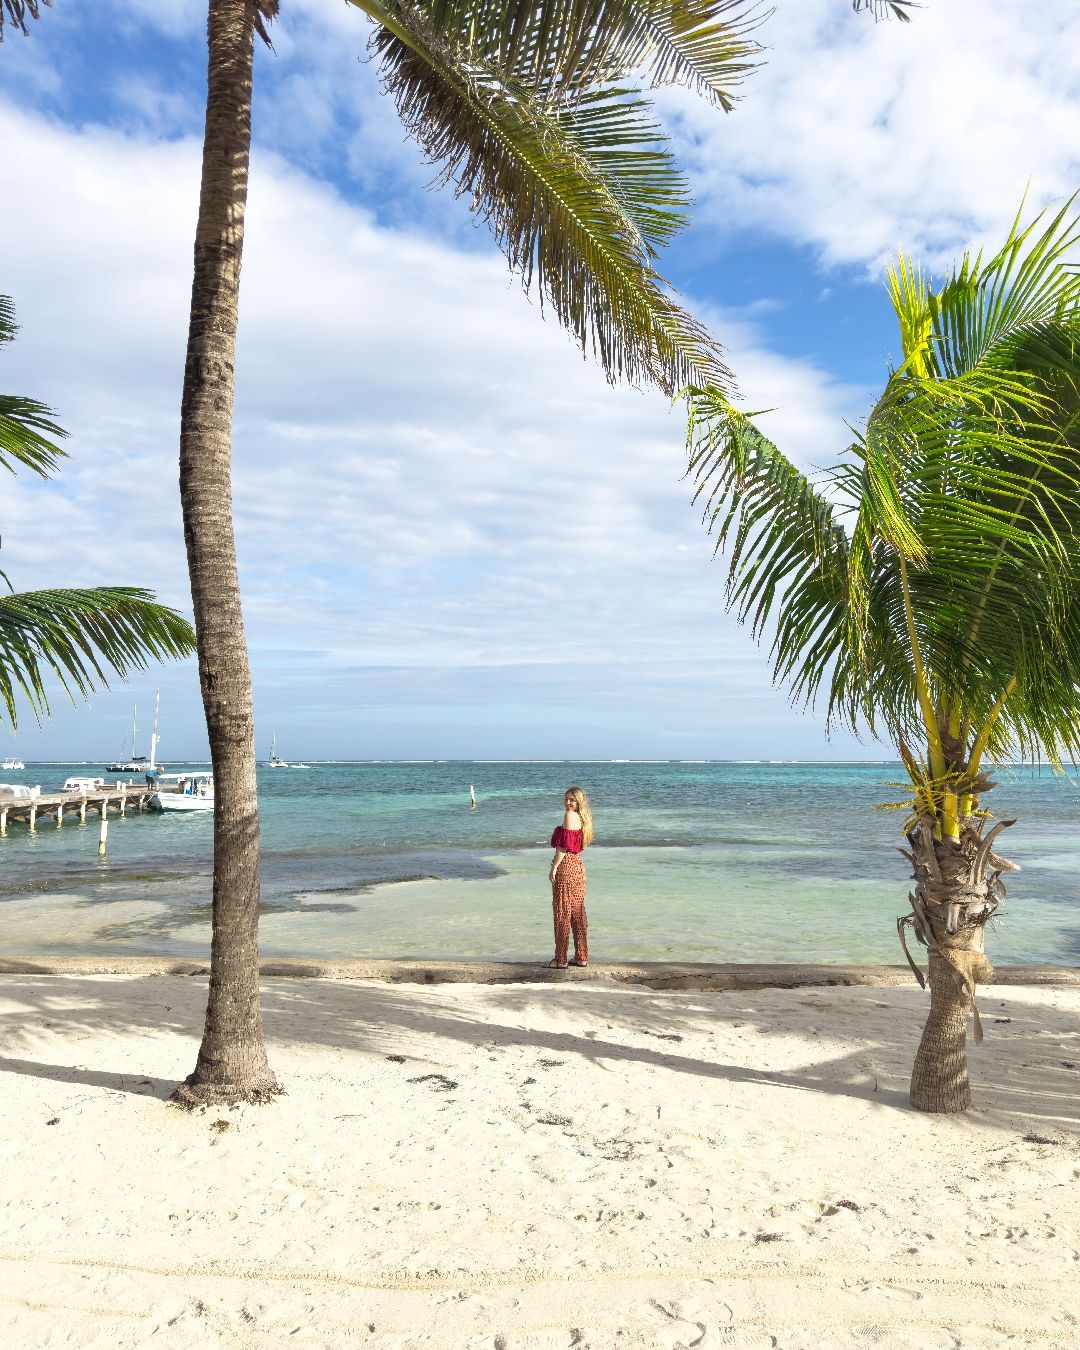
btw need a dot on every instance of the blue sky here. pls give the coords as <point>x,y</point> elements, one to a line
<point>455,539</point>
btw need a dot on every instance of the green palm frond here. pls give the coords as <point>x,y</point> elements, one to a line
<point>786,550</point>
<point>577,184</point>
<point>963,497</point>
<point>567,45</point>
<point>76,634</point>
<point>28,433</point>
<point>983,305</point>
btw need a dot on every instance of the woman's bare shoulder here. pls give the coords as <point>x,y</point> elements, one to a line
<point>571,821</point>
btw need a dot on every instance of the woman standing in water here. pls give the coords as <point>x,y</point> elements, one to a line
<point>567,877</point>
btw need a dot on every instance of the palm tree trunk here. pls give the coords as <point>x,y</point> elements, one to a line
<point>939,1078</point>
<point>232,1064</point>
<point>958,887</point>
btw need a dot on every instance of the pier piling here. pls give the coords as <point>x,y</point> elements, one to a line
<point>26,810</point>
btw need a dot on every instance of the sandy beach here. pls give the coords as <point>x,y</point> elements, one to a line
<point>535,1165</point>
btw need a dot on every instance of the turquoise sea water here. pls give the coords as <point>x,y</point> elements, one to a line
<point>693,861</point>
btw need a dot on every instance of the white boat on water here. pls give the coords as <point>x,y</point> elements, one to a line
<point>138,763</point>
<point>18,764</point>
<point>274,762</point>
<point>190,791</point>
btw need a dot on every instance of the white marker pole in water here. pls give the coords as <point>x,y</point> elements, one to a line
<point>104,833</point>
<point>472,796</point>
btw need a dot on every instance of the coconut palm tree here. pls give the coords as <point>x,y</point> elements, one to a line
<point>72,634</point>
<point>526,108</point>
<point>929,587</point>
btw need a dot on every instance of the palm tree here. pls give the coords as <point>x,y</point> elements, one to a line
<point>71,633</point>
<point>929,586</point>
<point>526,108</point>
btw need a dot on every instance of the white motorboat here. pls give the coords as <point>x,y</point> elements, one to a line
<point>190,791</point>
<point>18,764</point>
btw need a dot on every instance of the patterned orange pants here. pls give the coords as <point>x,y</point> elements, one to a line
<point>568,908</point>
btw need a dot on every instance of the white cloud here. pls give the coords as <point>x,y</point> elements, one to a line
<point>856,138</point>
<point>427,475</point>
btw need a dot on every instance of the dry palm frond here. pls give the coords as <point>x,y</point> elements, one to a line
<point>266,11</point>
<point>16,13</point>
<point>883,9</point>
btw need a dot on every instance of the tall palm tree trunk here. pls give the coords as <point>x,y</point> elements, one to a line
<point>232,1064</point>
<point>958,887</point>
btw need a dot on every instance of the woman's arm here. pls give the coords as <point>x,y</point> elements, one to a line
<point>560,854</point>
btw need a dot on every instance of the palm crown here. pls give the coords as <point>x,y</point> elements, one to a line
<point>929,584</point>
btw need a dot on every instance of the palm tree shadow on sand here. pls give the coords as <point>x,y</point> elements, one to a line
<point>1026,1074</point>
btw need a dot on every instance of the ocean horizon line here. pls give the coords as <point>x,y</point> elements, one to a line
<point>452,759</point>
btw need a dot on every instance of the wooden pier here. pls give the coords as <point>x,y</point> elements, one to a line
<point>56,807</point>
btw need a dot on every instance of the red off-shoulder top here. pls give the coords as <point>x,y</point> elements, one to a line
<point>570,841</point>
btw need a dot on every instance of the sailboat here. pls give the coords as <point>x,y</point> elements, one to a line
<point>139,763</point>
<point>273,762</point>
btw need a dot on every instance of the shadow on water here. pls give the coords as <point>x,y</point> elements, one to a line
<point>1026,1075</point>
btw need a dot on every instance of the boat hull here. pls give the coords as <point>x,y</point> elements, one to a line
<point>179,801</point>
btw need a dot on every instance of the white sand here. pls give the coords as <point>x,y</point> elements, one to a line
<point>598,1166</point>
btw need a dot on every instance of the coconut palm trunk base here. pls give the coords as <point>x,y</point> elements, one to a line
<point>228,1081</point>
<point>958,888</point>
<point>232,1065</point>
<point>939,1079</point>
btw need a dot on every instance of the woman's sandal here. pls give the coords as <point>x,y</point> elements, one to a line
<point>554,965</point>
<point>579,963</point>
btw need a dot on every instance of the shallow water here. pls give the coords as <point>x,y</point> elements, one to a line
<point>707,862</point>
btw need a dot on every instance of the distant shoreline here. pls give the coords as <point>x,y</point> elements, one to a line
<point>777,763</point>
<point>733,763</point>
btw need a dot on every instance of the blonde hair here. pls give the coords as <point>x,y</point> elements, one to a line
<point>584,810</point>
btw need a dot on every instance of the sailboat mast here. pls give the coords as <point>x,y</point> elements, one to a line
<point>154,737</point>
<point>134,713</point>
